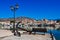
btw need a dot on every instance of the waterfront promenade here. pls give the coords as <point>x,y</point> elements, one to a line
<point>4,33</point>
<point>7,35</point>
<point>27,37</point>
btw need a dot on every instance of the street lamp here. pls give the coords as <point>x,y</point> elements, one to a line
<point>14,8</point>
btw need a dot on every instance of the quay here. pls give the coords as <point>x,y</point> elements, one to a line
<point>8,35</point>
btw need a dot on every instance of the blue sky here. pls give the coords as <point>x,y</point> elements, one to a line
<point>36,9</point>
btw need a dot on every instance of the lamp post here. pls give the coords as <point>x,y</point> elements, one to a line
<point>14,9</point>
<point>51,32</point>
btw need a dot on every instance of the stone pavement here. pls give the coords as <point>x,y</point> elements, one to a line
<point>7,35</point>
<point>4,33</point>
<point>27,37</point>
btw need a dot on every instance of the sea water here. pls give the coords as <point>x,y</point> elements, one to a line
<point>56,34</point>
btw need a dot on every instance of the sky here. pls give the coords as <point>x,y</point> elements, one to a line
<point>37,9</point>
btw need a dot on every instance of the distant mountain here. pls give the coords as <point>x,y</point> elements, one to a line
<point>58,20</point>
<point>17,18</point>
<point>23,17</point>
<point>4,19</point>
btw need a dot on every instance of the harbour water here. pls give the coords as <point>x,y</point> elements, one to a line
<point>56,34</point>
